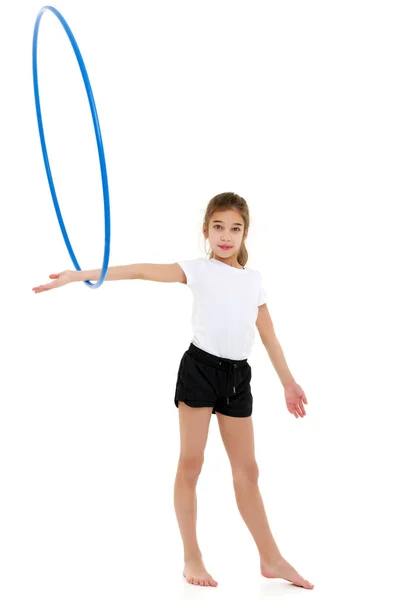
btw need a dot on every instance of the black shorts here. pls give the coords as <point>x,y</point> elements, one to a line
<point>208,380</point>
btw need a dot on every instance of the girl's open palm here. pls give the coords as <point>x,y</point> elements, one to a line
<point>59,279</point>
<point>295,399</point>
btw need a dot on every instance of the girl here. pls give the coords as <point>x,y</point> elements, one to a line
<point>214,375</point>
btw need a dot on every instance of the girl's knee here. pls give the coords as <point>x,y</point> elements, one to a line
<point>248,472</point>
<point>190,466</point>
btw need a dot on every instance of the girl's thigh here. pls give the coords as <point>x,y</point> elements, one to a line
<point>194,425</point>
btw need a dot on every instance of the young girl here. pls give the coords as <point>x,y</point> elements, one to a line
<point>214,375</point>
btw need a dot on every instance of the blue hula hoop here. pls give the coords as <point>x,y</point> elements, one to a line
<point>100,146</point>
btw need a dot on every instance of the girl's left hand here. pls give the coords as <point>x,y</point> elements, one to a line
<point>295,399</point>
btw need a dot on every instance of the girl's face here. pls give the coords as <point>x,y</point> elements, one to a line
<point>225,229</point>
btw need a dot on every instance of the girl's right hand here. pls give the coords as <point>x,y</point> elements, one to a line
<point>59,279</point>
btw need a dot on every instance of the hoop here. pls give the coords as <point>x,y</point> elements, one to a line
<point>100,146</point>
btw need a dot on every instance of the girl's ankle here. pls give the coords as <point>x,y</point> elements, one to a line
<point>193,556</point>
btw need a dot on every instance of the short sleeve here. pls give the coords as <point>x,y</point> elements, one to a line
<point>191,270</point>
<point>262,296</point>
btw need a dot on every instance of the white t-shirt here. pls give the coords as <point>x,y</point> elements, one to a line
<point>225,306</point>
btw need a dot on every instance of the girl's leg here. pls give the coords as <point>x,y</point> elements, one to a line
<point>238,438</point>
<point>194,425</point>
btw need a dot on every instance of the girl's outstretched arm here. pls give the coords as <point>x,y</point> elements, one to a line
<point>170,272</point>
<point>154,272</point>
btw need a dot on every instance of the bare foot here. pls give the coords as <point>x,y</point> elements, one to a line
<point>195,573</point>
<point>281,568</point>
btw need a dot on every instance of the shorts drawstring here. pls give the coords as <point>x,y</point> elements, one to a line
<point>231,374</point>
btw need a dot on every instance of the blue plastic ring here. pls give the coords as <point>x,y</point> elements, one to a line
<point>100,146</point>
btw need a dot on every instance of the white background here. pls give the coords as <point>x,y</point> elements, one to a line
<point>293,105</point>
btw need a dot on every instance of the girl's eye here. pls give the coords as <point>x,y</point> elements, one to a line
<point>236,228</point>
